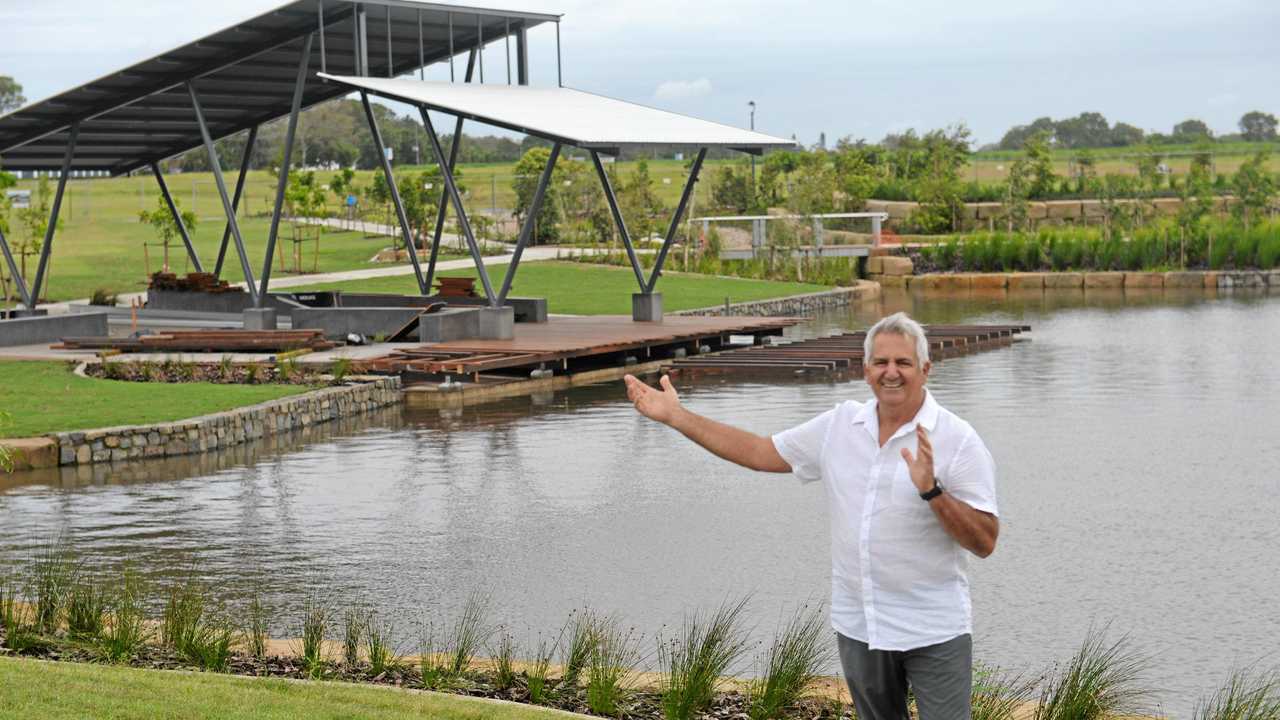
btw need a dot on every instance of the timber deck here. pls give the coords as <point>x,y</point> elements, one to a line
<point>838,354</point>
<point>572,345</point>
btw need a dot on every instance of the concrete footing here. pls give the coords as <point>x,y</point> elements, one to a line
<point>452,323</point>
<point>260,319</point>
<point>646,307</point>
<point>497,323</point>
<point>51,328</point>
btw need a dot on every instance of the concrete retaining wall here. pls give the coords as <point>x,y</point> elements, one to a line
<point>51,328</point>
<point>796,304</point>
<point>224,429</point>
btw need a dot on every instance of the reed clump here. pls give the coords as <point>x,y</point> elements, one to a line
<point>1102,679</point>
<point>611,666</point>
<point>1247,695</point>
<point>800,651</point>
<point>694,662</point>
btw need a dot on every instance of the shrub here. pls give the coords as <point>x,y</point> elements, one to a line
<point>1100,681</point>
<point>799,653</point>
<point>613,659</point>
<point>1246,696</point>
<point>695,661</point>
<point>125,631</point>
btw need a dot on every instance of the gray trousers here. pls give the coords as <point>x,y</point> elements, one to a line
<point>940,676</point>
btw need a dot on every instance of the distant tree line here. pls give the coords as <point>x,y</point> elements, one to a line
<point>1092,130</point>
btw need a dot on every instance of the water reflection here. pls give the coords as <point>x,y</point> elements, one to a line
<point>1134,436</point>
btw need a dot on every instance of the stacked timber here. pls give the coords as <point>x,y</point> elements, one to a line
<point>193,282</point>
<point>213,341</point>
<point>456,287</point>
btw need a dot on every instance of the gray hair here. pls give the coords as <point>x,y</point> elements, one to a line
<point>898,323</point>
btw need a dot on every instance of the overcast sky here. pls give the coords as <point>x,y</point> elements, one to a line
<point>860,68</point>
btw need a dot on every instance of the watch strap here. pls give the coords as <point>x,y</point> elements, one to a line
<point>932,493</point>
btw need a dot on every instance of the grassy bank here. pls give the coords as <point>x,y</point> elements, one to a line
<point>585,289</point>
<point>32,688</point>
<point>45,397</point>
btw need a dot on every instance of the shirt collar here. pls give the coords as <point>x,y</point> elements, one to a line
<point>927,416</point>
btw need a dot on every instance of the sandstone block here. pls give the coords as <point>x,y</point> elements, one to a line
<point>111,441</point>
<point>989,281</point>
<point>1091,209</point>
<point>1184,280</point>
<point>893,281</point>
<point>1064,281</point>
<point>1026,281</point>
<point>1062,209</point>
<point>897,266</point>
<point>1037,211</point>
<point>875,265</point>
<point>900,210</point>
<point>1166,206</point>
<point>84,455</point>
<point>1103,280</point>
<point>1143,280</point>
<point>988,210</point>
<point>31,453</point>
<point>1210,279</point>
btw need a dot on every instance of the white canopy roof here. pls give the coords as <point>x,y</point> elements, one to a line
<point>569,116</point>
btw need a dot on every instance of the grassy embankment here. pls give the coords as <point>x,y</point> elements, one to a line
<point>584,289</point>
<point>30,688</point>
<point>44,397</point>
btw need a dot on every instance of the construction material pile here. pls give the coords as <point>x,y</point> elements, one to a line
<point>193,282</point>
<point>210,341</point>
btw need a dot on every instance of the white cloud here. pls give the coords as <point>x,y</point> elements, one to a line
<point>683,89</point>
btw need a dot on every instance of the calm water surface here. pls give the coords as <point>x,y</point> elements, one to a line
<point>1138,456</point>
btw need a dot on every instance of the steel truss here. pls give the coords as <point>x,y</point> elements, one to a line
<point>31,296</point>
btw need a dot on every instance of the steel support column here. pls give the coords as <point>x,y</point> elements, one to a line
<point>526,231</point>
<point>444,199</point>
<point>282,182</point>
<point>216,167</point>
<point>461,212</point>
<point>23,295</point>
<point>235,200</point>
<point>617,219</point>
<point>522,56</point>
<point>47,247</point>
<point>675,220</point>
<point>395,192</point>
<point>177,218</point>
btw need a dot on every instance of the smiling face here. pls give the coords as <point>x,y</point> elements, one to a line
<point>894,373</point>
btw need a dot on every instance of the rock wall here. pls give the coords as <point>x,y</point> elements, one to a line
<point>224,429</point>
<point>988,215</point>
<point>795,304</point>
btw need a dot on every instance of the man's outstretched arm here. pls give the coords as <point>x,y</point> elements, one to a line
<point>730,443</point>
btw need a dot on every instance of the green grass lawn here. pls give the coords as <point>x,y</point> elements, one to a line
<point>588,289</point>
<point>37,689</point>
<point>44,397</point>
<point>100,242</point>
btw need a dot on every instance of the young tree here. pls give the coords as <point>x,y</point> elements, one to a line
<point>161,220</point>
<point>814,191</point>
<point>731,188</point>
<point>1255,189</point>
<point>527,173</point>
<point>946,152</point>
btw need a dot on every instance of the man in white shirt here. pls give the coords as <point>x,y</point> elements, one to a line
<point>912,488</point>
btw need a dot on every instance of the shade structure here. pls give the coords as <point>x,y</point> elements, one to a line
<point>565,115</point>
<point>245,76</point>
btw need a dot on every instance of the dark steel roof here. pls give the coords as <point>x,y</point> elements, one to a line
<point>244,76</point>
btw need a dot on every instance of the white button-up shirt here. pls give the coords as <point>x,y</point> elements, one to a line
<point>897,578</point>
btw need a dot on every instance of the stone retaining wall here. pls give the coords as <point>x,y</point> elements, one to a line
<point>989,215</point>
<point>1209,279</point>
<point>224,429</point>
<point>795,304</point>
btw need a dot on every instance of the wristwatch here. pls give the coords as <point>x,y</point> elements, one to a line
<point>933,493</point>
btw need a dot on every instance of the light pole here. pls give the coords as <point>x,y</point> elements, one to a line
<point>752,104</point>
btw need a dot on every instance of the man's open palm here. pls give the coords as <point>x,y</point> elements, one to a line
<point>660,405</point>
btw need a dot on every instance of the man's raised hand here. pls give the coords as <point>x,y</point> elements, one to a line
<point>661,405</point>
<point>921,465</point>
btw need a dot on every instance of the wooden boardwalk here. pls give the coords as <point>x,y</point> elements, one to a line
<point>837,354</point>
<point>570,344</point>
